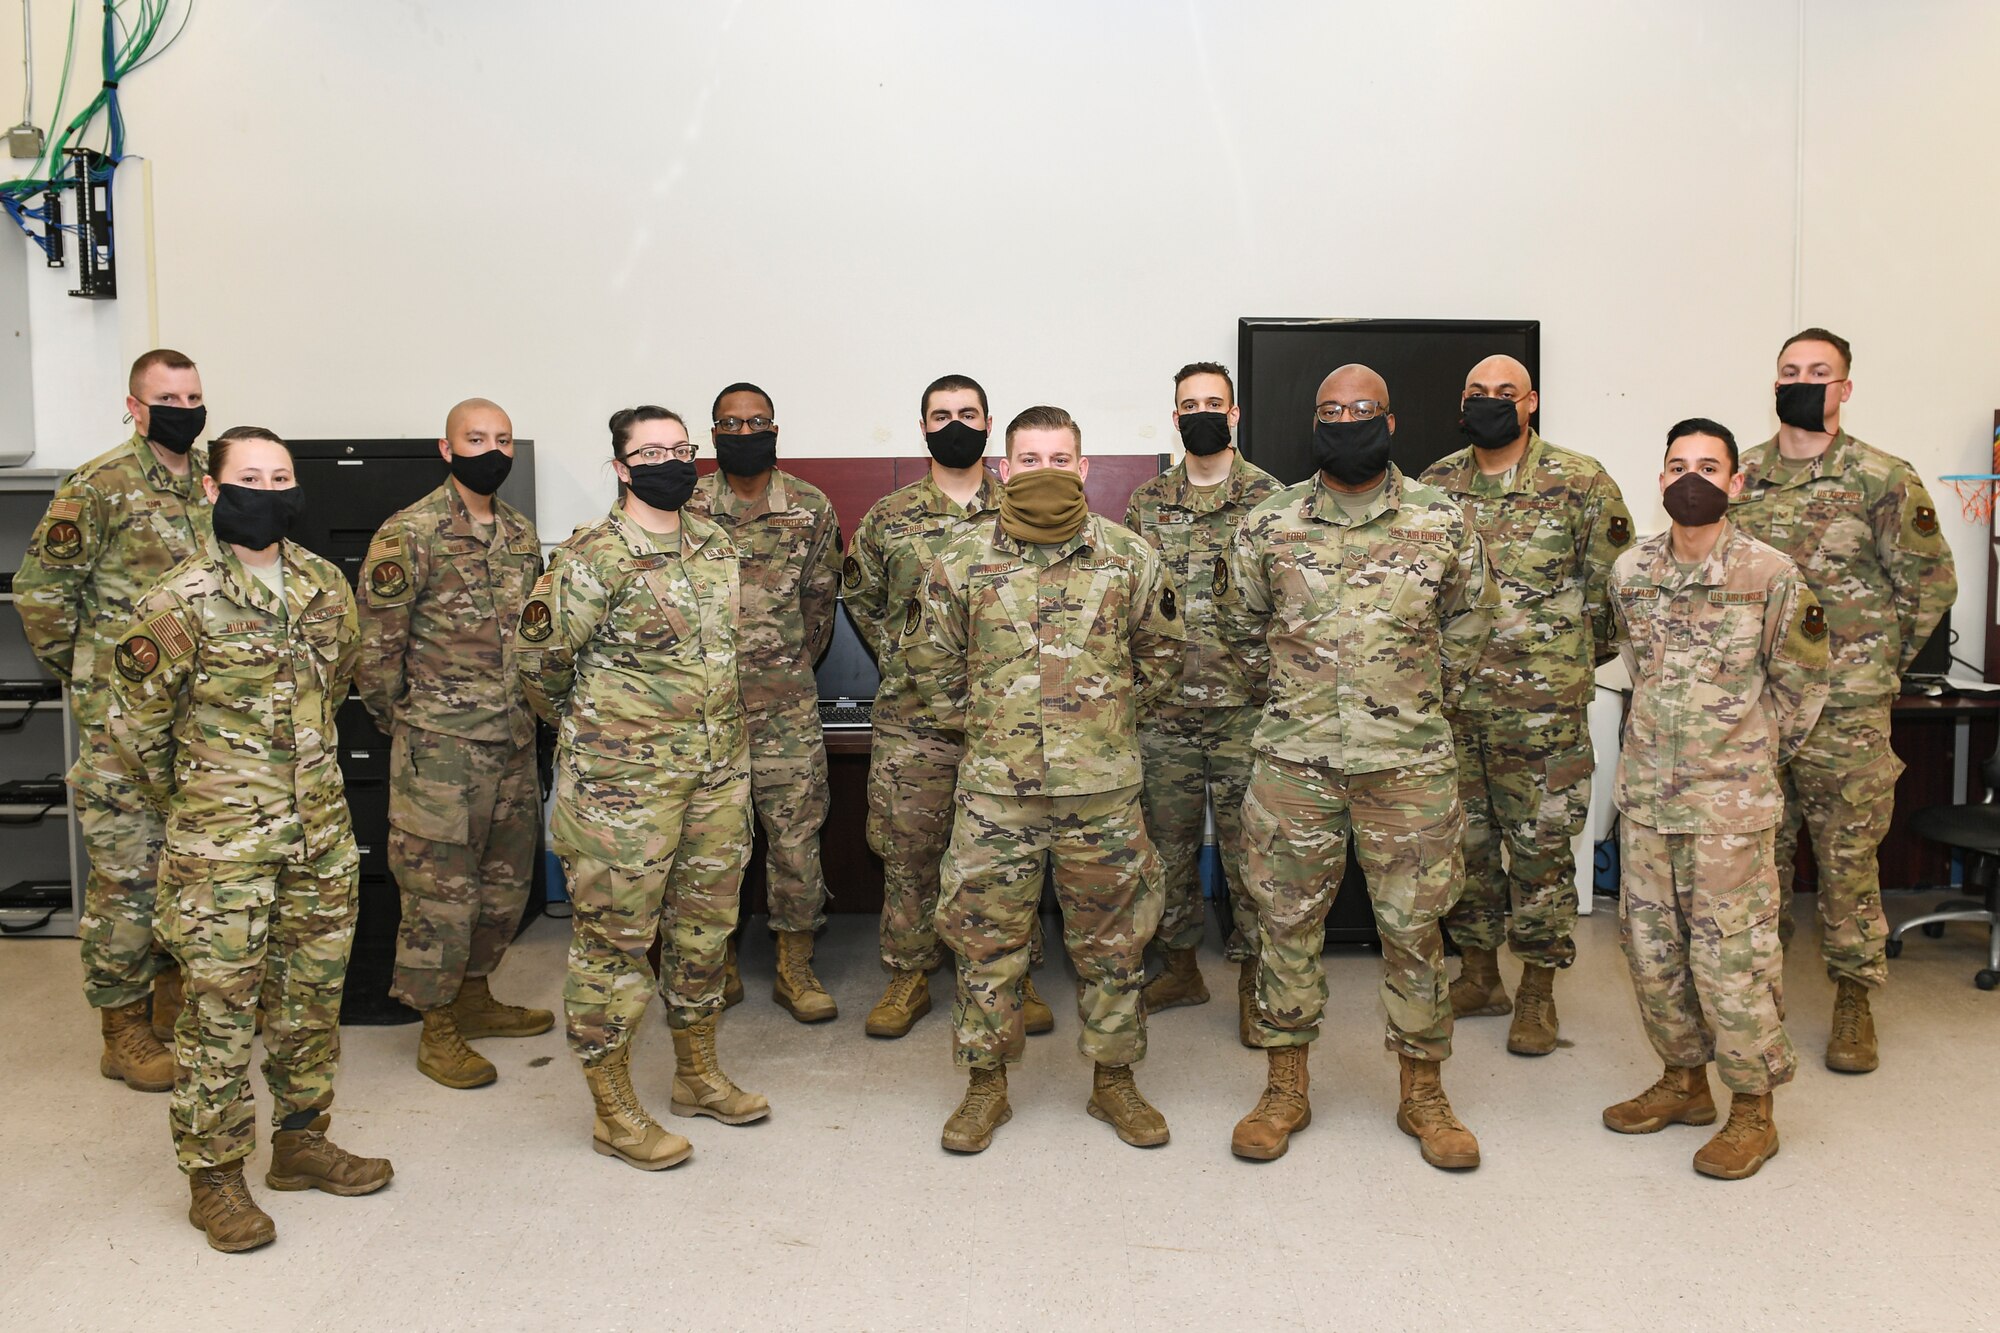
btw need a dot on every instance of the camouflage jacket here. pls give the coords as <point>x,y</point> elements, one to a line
<point>1362,631</point>
<point>789,541</point>
<point>1044,656</point>
<point>1864,532</point>
<point>1551,537</point>
<point>437,608</point>
<point>1729,673</point>
<point>883,577</point>
<point>1192,528</point>
<point>223,704</point>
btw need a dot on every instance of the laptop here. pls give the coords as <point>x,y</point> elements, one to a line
<point>1932,663</point>
<point>847,678</point>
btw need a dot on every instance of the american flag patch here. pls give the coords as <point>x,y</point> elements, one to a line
<point>70,507</point>
<point>167,631</point>
<point>385,546</point>
<point>543,585</point>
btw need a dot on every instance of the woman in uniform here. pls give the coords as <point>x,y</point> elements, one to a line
<point>628,646</point>
<point>225,693</point>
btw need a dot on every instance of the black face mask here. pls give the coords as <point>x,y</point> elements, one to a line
<point>175,429</point>
<point>1204,433</point>
<point>1489,423</point>
<point>482,473</point>
<point>1352,452</point>
<point>662,485</point>
<point>1803,405</point>
<point>246,516</point>
<point>956,445</point>
<point>1693,501</point>
<point>747,455</point>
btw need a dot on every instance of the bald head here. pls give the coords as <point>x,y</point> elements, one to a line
<point>476,426</point>
<point>456,420</point>
<point>1350,384</point>
<point>1495,373</point>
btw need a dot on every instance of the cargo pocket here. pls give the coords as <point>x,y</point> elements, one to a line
<point>426,788</point>
<point>1566,790</point>
<point>1744,942</point>
<point>234,931</point>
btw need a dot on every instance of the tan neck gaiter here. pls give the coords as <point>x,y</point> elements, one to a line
<point>1043,505</point>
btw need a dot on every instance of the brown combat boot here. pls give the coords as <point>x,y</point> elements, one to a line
<point>907,999</point>
<point>306,1159</point>
<point>700,1086</point>
<point>1533,1031</point>
<point>732,977</point>
<point>1850,1048</point>
<point>1479,992</point>
<point>1246,1002</point>
<point>1036,1016</point>
<point>168,997</point>
<point>982,1110</point>
<point>1744,1144</point>
<point>1678,1097</point>
<point>795,987</point>
<point>1116,1100</point>
<point>622,1128</point>
<point>130,1051</point>
<point>443,1057</point>
<point>1179,982</point>
<point>480,1015</point>
<point>220,1205</point>
<point>1282,1110</point>
<point>1426,1116</point>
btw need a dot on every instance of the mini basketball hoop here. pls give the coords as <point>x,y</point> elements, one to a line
<point>1975,489</point>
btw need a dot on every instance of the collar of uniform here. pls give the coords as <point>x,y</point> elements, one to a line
<point>776,499</point>
<point>641,542</point>
<point>1184,494</point>
<point>156,473</point>
<point>1463,476</point>
<point>1712,572</point>
<point>462,524</point>
<point>246,588</point>
<point>1831,462</point>
<point>1323,507</point>
<point>1037,552</point>
<point>935,501</point>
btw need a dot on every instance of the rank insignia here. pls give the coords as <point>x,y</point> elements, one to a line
<point>1168,606</point>
<point>1924,521</point>
<point>850,572</point>
<point>1221,575</point>
<point>1619,530</point>
<point>1814,624</point>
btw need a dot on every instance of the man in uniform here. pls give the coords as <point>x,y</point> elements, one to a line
<point>913,766</point>
<point>1864,532</point>
<point>789,540</point>
<point>1552,523</point>
<point>1042,638</point>
<point>1727,647</point>
<point>116,525</point>
<point>1196,741</point>
<point>444,581</point>
<point>1360,597</point>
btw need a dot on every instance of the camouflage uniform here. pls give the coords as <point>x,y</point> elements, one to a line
<point>1551,528</point>
<point>1864,533</point>
<point>222,715</point>
<point>437,673</point>
<point>789,542</point>
<point>116,525</point>
<point>1363,627</point>
<point>1044,655</point>
<point>628,646</point>
<point>1729,666</point>
<point>1198,738</point>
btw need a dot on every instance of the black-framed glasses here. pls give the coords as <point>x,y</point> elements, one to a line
<point>660,453</point>
<point>1362,409</point>
<point>757,425</point>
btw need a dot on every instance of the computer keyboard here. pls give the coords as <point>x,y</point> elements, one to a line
<point>846,717</point>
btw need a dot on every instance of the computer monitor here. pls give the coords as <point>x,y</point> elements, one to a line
<point>847,671</point>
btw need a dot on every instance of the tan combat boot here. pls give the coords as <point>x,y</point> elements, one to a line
<point>795,987</point>
<point>1479,992</point>
<point>1678,1097</point>
<point>622,1128</point>
<point>1116,1100</point>
<point>130,1051</point>
<point>1036,1016</point>
<point>1426,1116</point>
<point>907,999</point>
<point>443,1057</point>
<point>480,1015</point>
<point>1179,982</point>
<point>1533,1031</point>
<point>983,1109</point>
<point>1282,1110</point>
<point>1850,1048</point>
<point>732,977</point>
<point>1246,1002</point>
<point>306,1159</point>
<point>1744,1144</point>
<point>700,1086</point>
<point>168,997</point>
<point>219,1204</point>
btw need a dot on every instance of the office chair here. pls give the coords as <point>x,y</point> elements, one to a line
<point>1975,830</point>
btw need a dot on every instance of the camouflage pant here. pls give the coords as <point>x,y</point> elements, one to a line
<point>1524,780</point>
<point>1409,836</point>
<point>686,900</point>
<point>788,784</point>
<point>1107,880</point>
<point>244,930</point>
<point>1842,786</point>
<point>912,772</point>
<point>462,820</point>
<point>120,957</point>
<point>1191,755</point>
<point>1695,916</point>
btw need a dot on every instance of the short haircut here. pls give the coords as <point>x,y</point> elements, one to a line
<point>743,387</point>
<point>1044,418</point>
<point>625,418</point>
<point>1703,426</point>
<point>218,448</point>
<point>1817,335</point>
<point>948,383</point>
<point>1193,368</point>
<point>165,357</point>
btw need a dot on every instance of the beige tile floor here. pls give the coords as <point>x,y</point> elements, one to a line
<point>841,1212</point>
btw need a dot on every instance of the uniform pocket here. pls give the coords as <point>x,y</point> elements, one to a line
<point>427,787</point>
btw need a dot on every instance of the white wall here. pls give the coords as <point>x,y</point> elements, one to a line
<point>367,211</point>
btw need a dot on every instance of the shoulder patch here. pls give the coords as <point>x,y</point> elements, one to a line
<point>850,572</point>
<point>1619,530</point>
<point>388,578</point>
<point>62,540</point>
<point>537,621</point>
<point>67,506</point>
<point>387,546</point>
<point>543,584</point>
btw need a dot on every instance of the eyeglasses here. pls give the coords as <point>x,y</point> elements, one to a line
<point>1365,409</point>
<point>757,425</point>
<point>660,453</point>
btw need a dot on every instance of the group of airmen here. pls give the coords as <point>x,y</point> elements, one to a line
<point>1403,663</point>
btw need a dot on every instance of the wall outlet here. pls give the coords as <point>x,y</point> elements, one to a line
<point>24,141</point>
